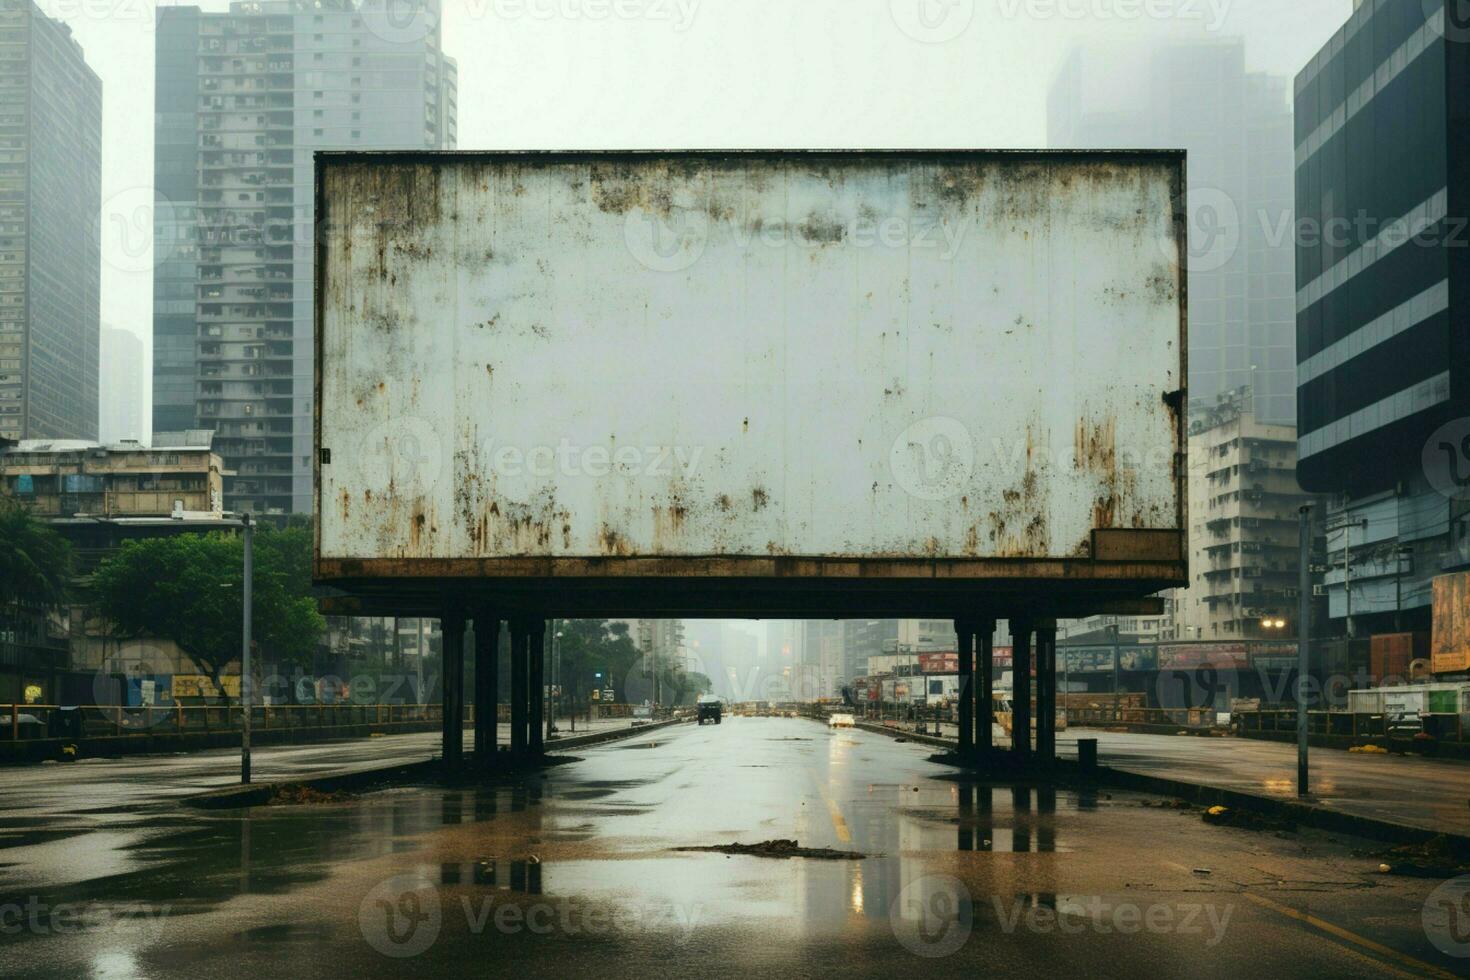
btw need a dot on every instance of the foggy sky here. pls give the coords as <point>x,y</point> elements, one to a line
<point>700,73</point>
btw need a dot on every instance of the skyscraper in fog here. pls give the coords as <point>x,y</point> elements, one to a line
<point>120,412</point>
<point>1237,127</point>
<point>50,250</point>
<point>244,100</point>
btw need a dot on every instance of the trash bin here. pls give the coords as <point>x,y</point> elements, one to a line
<point>65,722</point>
<point>1087,756</point>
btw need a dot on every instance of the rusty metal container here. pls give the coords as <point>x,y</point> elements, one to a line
<point>1392,653</point>
<point>751,383</point>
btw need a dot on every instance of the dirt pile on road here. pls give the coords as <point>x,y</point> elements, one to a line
<point>778,849</point>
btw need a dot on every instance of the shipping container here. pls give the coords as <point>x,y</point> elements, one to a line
<point>1392,653</point>
<point>753,383</point>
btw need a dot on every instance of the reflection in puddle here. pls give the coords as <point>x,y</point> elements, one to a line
<point>517,876</point>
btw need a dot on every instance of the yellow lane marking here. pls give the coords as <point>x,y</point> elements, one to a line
<point>1419,966</point>
<point>844,834</point>
<point>838,823</point>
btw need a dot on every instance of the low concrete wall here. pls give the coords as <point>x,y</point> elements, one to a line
<point>34,750</point>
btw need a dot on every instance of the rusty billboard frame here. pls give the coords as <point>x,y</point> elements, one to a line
<point>1125,568</point>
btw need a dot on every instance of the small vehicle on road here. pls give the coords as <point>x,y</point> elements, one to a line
<point>841,721</point>
<point>709,708</point>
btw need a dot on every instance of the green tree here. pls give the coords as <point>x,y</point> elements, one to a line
<point>189,589</point>
<point>35,562</point>
<point>592,646</point>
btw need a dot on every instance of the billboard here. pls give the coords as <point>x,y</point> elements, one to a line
<point>526,376</point>
<point>1450,650</point>
<point>939,663</point>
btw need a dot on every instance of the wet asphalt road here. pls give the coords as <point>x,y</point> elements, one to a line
<point>573,872</point>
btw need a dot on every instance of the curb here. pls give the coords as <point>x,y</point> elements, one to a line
<point>1306,814</point>
<point>258,794</point>
<point>898,733</point>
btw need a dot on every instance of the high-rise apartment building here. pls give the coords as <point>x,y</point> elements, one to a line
<point>1196,95</point>
<point>50,247</point>
<point>1244,527</point>
<point>244,101</point>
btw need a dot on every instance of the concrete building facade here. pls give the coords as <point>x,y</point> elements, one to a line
<point>64,479</point>
<point>1244,534</point>
<point>1383,375</point>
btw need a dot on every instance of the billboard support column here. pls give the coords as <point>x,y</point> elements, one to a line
<point>985,717</point>
<point>1021,689</point>
<point>487,683</point>
<point>536,681</point>
<point>966,632</point>
<point>453,630</point>
<point>1046,691</point>
<point>518,689</point>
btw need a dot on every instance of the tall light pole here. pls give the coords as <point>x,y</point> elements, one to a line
<point>245,685</point>
<point>555,693</point>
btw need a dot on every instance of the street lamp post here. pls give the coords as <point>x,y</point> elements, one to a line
<point>245,685</point>
<point>1304,644</point>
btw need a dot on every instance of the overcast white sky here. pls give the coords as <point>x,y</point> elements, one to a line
<point>703,73</point>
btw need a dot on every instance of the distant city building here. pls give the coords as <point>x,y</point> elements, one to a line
<point>244,100</point>
<point>662,640</point>
<point>50,247</point>
<point>821,666</point>
<point>925,636</point>
<point>1140,629</point>
<point>1244,527</point>
<point>120,389</point>
<point>1381,155</point>
<point>76,480</point>
<point>862,640</point>
<point>1236,126</point>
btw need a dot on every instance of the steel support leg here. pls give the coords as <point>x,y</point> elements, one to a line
<point>985,717</point>
<point>1046,692</point>
<point>1021,690</point>
<point>966,632</point>
<point>518,690</point>
<point>536,649</point>
<point>487,684</point>
<point>452,685</point>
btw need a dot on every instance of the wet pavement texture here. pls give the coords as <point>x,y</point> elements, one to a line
<point>1433,794</point>
<point>576,869</point>
<point>132,781</point>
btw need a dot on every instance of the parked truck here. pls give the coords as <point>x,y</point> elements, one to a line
<point>782,384</point>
